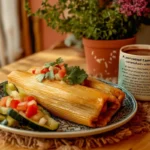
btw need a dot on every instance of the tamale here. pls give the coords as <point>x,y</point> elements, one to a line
<point>97,84</point>
<point>76,103</point>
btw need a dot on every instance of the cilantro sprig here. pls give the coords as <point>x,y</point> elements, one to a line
<point>57,62</point>
<point>40,77</point>
<point>74,75</point>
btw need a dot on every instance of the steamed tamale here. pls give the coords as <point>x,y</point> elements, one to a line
<point>76,103</point>
<point>97,84</point>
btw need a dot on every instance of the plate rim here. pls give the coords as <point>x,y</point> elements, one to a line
<point>75,134</point>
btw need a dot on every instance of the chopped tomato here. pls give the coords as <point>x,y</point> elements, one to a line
<point>62,72</point>
<point>58,66</point>
<point>45,70</point>
<point>31,110</point>
<point>63,68</point>
<point>22,106</point>
<point>14,103</point>
<point>62,64</point>
<point>33,71</point>
<point>29,98</point>
<point>3,101</point>
<point>85,83</point>
<point>56,69</point>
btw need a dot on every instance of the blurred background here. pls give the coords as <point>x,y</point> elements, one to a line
<point>21,36</point>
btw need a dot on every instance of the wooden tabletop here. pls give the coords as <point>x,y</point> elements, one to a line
<point>72,57</point>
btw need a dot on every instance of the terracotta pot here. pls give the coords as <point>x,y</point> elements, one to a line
<point>102,56</point>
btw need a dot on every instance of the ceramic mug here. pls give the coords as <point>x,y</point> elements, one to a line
<point>134,70</point>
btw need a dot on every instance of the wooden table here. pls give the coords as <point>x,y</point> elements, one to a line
<point>138,142</point>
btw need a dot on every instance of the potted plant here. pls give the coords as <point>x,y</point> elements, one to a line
<point>104,26</point>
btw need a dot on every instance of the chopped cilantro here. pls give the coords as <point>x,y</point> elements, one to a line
<point>75,75</point>
<point>47,75</point>
<point>40,77</point>
<point>57,62</point>
<point>51,75</point>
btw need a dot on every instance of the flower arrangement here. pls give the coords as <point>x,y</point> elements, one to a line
<point>134,7</point>
<point>95,19</point>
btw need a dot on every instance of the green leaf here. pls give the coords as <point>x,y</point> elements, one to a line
<point>40,77</point>
<point>87,18</point>
<point>75,75</point>
<point>47,75</point>
<point>57,62</point>
<point>51,75</point>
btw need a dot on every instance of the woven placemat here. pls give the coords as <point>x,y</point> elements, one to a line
<point>139,124</point>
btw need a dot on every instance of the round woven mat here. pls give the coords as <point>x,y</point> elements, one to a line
<point>140,123</point>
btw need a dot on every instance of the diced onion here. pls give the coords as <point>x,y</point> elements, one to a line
<point>51,68</point>
<point>62,82</point>
<point>22,113</point>
<point>9,99</point>
<point>32,102</point>
<point>22,103</point>
<point>38,70</point>
<point>37,116</point>
<point>15,95</point>
<point>42,121</point>
<point>57,77</point>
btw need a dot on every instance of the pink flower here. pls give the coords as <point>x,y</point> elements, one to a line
<point>134,7</point>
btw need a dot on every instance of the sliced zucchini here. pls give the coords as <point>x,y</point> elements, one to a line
<point>9,88</point>
<point>38,116</point>
<point>32,124</point>
<point>4,110</point>
<point>8,121</point>
<point>4,122</point>
<point>16,95</point>
<point>21,93</point>
<point>2,117</point>
<point>52,123</point>
<point>11,121</point>
<point>43,110</point>
<point>9,99</point>
<point>13,115</point>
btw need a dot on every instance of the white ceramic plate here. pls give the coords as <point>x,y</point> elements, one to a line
<point>69,130</point>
